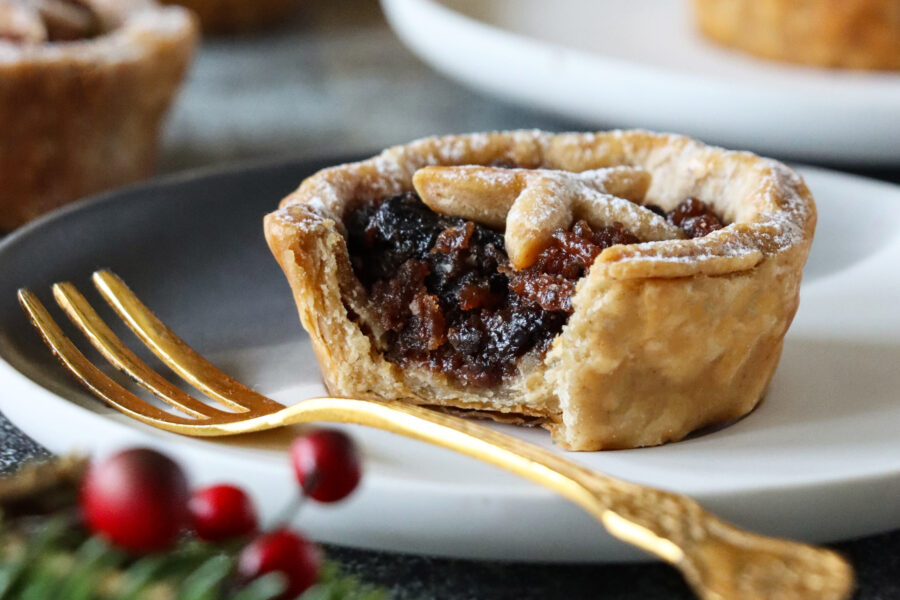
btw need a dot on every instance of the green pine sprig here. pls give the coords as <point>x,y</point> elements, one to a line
<point>45,554</point>
<point>51,557</point>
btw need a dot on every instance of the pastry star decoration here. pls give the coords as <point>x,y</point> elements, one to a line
<point>531,204</point>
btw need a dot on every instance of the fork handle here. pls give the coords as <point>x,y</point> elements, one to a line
<point>718,560</point>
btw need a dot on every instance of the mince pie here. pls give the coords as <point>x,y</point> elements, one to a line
<point>854,34</point>
<point>621,289</point>
<point>84,85</point>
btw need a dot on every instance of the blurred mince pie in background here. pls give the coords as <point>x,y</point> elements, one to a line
<point>234,16</point>
<point>84,86</point>
<point>854,34</point>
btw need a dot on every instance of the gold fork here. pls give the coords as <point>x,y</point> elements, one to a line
<point>718,560</point>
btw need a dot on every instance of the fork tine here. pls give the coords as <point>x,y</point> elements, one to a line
<point>90,376</point>
<point>175,353</point>
<point>80,312</point>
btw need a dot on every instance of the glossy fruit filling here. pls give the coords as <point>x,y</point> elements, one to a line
<point>445,294</point>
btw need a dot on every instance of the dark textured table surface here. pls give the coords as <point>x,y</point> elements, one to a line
<point>308,89</point>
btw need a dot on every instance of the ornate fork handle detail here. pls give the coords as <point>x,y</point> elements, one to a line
<point>718,560</point>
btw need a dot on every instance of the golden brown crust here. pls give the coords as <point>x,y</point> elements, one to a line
<point>666,336</point>
<point>84,116</point>
<point>855,34</point>
<point>235,16</point>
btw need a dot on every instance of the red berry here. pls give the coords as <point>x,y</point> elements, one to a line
<point>222,512</point>
<point>327,464</point>
<point>137,499</point>
<point>285,552</point>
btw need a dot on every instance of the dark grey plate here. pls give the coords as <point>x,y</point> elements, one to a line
<point>188,241</point>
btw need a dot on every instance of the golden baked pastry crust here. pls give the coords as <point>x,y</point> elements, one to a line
<point>855,34</point>
<point>83,116</point>
<point>234,16</point>
<point>666,337</point>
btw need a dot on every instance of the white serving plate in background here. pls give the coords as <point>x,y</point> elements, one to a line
<point>626,63</point>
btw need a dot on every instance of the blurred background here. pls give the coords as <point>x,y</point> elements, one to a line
<point>333,79</point>
<point>813,82</point>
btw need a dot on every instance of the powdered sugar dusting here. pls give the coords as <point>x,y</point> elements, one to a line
<point>554,199</point>
<point>767,203</point>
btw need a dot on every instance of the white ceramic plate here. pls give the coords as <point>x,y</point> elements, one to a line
<point>623,63</point>
<point>819,460</point>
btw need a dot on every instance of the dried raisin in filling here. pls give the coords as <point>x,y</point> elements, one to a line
<point>550,281</point>
<point>694,217</point>
<point>447,297</point>
<point>439,287</point>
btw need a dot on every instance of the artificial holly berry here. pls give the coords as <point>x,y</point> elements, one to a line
<point>137,499</point>
<point>285,552</point>
<point>222,512</point>
<point>326,463</point>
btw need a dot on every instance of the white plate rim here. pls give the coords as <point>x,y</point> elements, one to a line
<point>427,26</point>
